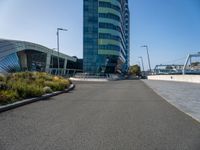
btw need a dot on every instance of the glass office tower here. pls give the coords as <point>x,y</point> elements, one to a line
<point>106,36</point>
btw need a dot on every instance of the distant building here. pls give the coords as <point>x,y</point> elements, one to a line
<point>26,56</point>
<point>106,36</point>
<point>78,65</point>
<point>168,69</point>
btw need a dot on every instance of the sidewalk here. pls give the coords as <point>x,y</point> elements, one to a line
<point>184,96</point>
<point>112,77</point>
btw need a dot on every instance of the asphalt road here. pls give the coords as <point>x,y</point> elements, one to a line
<point>120,115</point>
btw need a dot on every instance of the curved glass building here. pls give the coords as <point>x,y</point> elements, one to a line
<point>106,36</point>
<point>26,56</point>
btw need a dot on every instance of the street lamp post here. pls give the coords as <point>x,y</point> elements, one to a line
<point>59,29</point>
<point>142,64</point>
<point>147,56</point>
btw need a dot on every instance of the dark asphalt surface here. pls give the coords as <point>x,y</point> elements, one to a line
<point>119,115</point>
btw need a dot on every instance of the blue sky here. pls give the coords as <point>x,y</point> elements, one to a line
<point>171,28</point>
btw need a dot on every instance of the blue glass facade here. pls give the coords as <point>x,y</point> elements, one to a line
<point>20,56</point>
<point>10,63</point>
<point>106,36</point>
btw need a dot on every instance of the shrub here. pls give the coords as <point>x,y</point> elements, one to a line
<point>2,78</point>
<point>44,75</point>
<point>64,82</point>
<point>3,86</point>
<point>40,82</point>
<point>23,85</point>
<point>22,75</point>
<point>47,89</point>
<point>27,90</point>
<point>58,83</point>
<point>34,91</point>
<point>48,77</point>
<point>56,78</point>
<point>3,98</point>
<point>8,96</point>
<point>55,86</point>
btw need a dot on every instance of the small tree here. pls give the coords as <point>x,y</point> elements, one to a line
<point>135,70</point>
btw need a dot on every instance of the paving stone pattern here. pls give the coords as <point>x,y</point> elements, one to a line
<point>185,96</point>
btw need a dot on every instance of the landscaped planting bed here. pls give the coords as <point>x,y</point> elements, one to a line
<point>23,85</point>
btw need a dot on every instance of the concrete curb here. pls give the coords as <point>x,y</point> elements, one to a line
<point>32,100</point>
<point>89,79</point>
<point>94,79</point>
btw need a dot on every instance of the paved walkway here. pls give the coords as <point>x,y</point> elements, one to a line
<point>119,115</point>
<point>185,96</point>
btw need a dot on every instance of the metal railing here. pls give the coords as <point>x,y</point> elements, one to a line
<point>63,72</point>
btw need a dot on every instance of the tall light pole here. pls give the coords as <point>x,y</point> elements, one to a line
<point>142,63</point>
<point>147,56</point>
<point>59,29</point>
